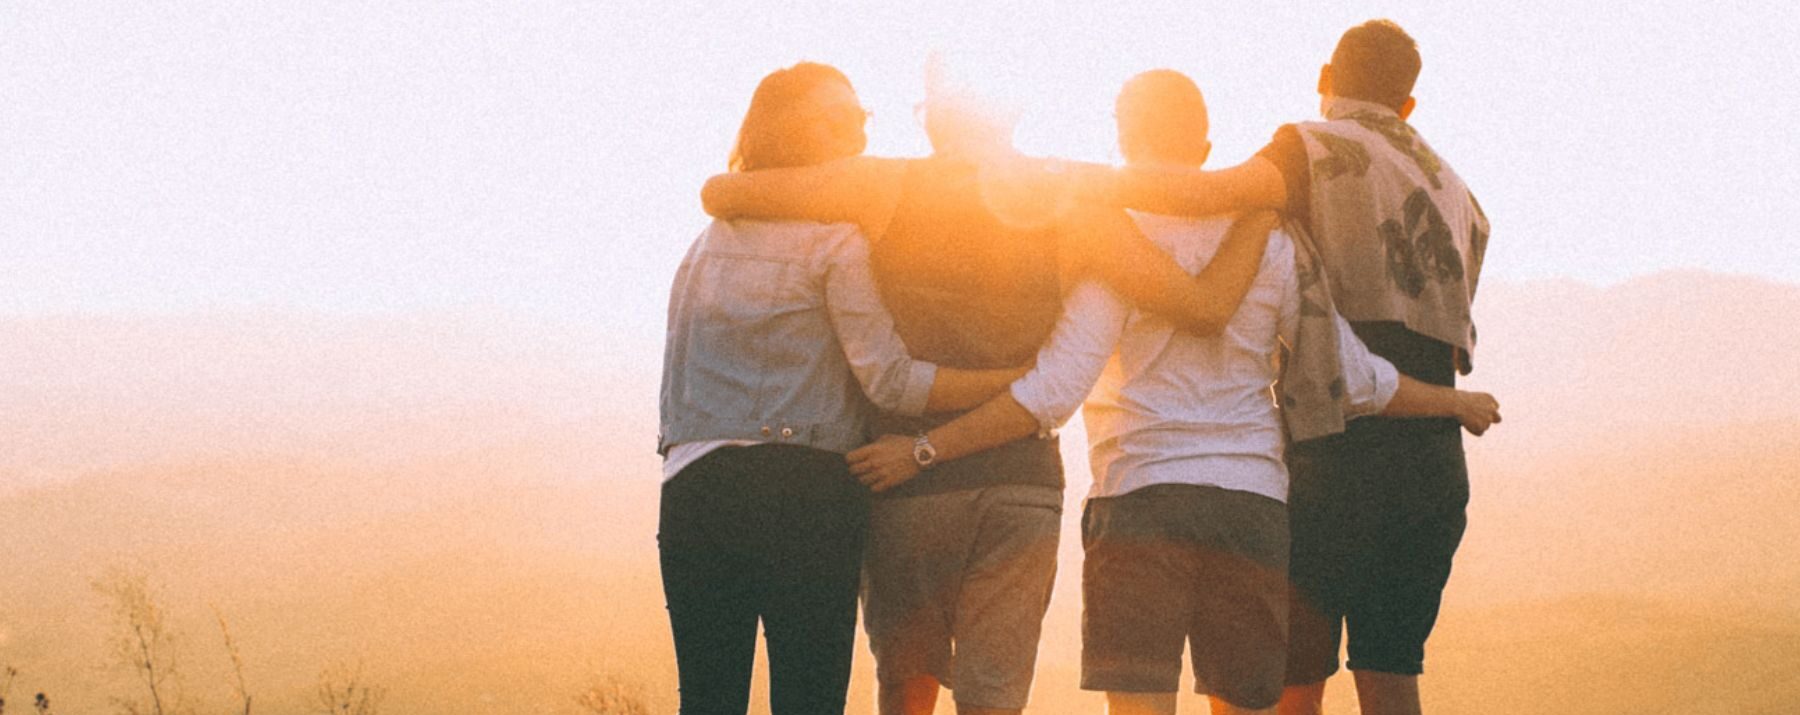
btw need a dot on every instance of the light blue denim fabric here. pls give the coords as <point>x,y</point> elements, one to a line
<point>772,326</point>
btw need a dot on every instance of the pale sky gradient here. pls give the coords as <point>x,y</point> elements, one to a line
<point>544,158</point>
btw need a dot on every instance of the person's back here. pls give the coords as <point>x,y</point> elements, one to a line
<point>962,556</point>
<point>777,350</point>
<point>1400,231</point>
<point>747,319</point>
<point>1185,528</point>
<point>967,290</point>
<point>971,268</point>
<point>1205,398</point>
<point>1379,511</point>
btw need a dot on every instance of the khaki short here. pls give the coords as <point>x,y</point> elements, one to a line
<point>955,586</point>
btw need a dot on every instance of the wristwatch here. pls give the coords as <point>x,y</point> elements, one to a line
<point>923,452</point>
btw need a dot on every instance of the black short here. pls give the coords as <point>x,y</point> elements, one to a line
<point>1377,513</point>
<point>1175,564</point>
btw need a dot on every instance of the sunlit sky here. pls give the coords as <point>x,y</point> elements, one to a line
<point>544,158</point>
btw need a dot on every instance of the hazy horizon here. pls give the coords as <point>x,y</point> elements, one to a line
<point>346,319</point>
<point>468,507</point>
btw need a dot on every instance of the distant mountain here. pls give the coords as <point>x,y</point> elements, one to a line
<point>1577,365</point>
<point>82,393</point>
<point>1651,442</point>
<point>468,505</point>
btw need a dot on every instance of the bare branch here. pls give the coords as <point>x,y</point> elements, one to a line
<point>143,642</point>
<point>237,660</point>
<point>343,690</point>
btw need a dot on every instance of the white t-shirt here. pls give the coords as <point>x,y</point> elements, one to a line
<point>1168,407</point>
<point>686,453</point>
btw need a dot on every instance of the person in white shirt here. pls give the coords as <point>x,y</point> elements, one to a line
<point>1185,527</point>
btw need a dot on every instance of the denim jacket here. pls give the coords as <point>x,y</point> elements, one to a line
<point>772,326</point>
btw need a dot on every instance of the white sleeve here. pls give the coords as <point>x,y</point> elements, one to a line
<point>1369,380</point>
<point>891,378</point>
<point>1071,360</point>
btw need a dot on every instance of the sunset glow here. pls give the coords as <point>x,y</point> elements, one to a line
<point>346,320</point>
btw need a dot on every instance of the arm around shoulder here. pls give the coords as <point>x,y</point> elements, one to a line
<point>1106,244</point>
<point>860,190</point>
<point>1256,184</point>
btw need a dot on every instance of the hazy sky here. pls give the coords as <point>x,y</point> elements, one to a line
<point>544,158</point>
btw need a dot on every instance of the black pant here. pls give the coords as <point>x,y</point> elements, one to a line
<point>770,532</point>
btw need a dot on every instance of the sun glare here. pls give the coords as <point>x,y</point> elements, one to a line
<point>1062,95</point>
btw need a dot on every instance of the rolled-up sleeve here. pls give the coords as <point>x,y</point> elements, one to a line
<point>1071,360</point>
<point>892,379</point>
<point>1370,381</point>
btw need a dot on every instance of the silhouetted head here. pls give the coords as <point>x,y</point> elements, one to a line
<point>1374,62</point>
<point>1162,120</point>
<point>804,114</point>
<point>962,120</point>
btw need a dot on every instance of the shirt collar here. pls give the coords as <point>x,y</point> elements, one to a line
<point>1339,107</point>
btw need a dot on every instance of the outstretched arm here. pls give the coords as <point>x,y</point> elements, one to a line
<point>1104,243</point>
<point>888,461</point>
<point>859,189</point>
<point>1256,184</point>
<point>1066,369</point>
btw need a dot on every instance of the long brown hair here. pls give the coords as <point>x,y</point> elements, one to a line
<point>774,133</point>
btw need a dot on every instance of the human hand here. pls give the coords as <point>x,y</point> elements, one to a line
<point>1477,411</point>
<point>884,463</point>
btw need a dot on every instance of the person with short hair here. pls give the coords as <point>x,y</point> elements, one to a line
<point>974,248</point>
<point>1377,512</point>
<point>1185,529</point>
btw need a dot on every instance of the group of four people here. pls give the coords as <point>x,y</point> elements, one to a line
<point>954,307</point>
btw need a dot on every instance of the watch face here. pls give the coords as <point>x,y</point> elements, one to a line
<point>924,453</point>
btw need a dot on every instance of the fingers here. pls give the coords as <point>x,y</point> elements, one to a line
<point>883,464</point>
<point>1478,424</point>
<point>881,480</point>
<point>1480,412</point>
<point>883,483</point>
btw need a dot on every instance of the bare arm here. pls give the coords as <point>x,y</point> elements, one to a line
<point>1253,185</point>
<point>1373,386</point>
<point>860,189</point>
<point>1106,244</point>
<point>956,389</point>
<point>1475,410</point>
<point>1066,369</point>
<point>888,462</point>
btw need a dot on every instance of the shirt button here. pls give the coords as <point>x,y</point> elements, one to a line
<point>765,431</point>
<point>787,432</point>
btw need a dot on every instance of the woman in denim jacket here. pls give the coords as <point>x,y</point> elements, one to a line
<point>778,350</point>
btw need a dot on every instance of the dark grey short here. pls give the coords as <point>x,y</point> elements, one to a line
<point>1175,564</point>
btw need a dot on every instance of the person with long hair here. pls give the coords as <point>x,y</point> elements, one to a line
<point>778,352</point>
<point>974,248</point>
